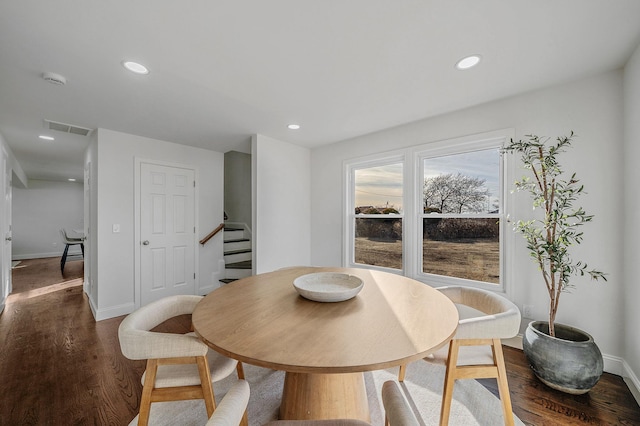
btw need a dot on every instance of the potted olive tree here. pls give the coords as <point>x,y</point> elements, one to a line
<point>563,357</point>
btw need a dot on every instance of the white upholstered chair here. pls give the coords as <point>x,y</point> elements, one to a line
<point>476,349</point>
<point>232,410</point>
<point>179,366</point>
<point>396,410</point>
<point>68,242</point>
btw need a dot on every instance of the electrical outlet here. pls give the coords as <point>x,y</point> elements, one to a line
<point>527,311</point>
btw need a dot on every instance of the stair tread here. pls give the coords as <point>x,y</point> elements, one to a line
<point>239,251</point>
<point>239,265</point>
<point>228,280</point>
<point>233,228</point>
<point>239,240</point>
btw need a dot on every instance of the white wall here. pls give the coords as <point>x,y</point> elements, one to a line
<point>113,157</point>
<point>39,212</point>
<point>281,207</point>
<point>631,203</point>
<point>19,178</point>
<point>237,187</point>
<point>593,109</point>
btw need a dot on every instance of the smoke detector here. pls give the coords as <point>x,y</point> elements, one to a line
<point>53,78</point>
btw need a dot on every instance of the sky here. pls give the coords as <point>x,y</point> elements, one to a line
<point>379,186</point>
<point>382,186</point>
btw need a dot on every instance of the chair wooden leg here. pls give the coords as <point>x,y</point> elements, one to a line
<point>449,381</point>
<point>402,372</point>
<point>245,419</point>
<point>503,385</point>
<point>205,382</point>
<point>147,390</point>
<point>240,370</point>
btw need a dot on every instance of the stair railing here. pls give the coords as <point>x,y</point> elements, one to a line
<point>212,234</point>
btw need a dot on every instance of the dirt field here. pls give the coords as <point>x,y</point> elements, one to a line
<point>476,260</point>
<point>379,253</point>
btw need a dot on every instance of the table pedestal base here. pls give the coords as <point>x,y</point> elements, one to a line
<point>324,396</point>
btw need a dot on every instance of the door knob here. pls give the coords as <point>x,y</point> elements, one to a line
<point>145,243</point>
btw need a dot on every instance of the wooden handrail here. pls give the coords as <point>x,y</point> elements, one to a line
<point>212,233</point>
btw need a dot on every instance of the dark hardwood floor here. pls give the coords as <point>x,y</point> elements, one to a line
<point>609,403</point>
<point>60,367</point>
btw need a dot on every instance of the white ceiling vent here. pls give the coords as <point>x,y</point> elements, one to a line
<point>67,128</point>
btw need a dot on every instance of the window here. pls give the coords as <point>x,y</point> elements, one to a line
<point>438,218</point>
<point>461,206</point>
<point>376,214</point>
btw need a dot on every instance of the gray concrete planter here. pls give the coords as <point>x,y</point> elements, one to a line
<point>570,362</point>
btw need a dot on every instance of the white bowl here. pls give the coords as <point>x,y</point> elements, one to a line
<point>328,286</point>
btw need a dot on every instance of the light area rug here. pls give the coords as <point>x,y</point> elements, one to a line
<point>472,403</point>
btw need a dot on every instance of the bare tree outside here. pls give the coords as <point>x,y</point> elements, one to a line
<point>455,193</point>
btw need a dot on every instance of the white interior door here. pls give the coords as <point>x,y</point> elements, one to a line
<point>167,232</point>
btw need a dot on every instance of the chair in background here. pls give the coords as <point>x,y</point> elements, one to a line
<point>179,366</point>
<point>486,318</point>
<point>68,242</point>
<point>232,410</point>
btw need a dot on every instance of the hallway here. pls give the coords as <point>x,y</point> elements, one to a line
<point>58,366</point>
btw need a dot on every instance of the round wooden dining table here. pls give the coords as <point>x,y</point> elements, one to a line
<point>324,348</point>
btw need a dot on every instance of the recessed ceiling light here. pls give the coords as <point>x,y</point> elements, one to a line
<point>293,126</point>
<point>47,138</point>
<point>135,67</point>
<point>468,62</point>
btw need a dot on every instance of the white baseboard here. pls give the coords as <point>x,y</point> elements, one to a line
<point>204,290</point>
<point>91,305</point>
<point>45,255</point>
<point>613,364</point>
<point>35,256</point>
<point>112,312</point>
<point>514,342</point>
<point>631,380</point>
<point>216,276</point>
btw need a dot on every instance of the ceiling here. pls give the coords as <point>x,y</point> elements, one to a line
<point>221,71</point>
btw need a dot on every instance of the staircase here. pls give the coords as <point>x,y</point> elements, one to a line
<point>237,253</point>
